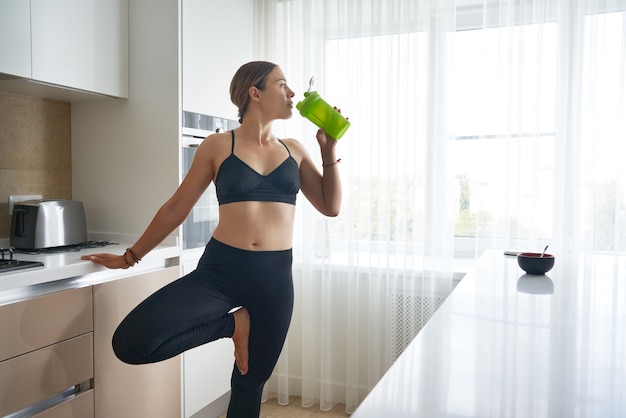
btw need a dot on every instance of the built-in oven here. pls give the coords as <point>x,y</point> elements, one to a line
<point>199,225</point>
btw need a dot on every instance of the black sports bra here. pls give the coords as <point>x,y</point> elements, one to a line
<point>236,181</point>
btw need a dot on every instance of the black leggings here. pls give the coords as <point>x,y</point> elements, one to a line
<point>193,310</point>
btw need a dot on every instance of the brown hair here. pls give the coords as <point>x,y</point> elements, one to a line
<point>252,74</point>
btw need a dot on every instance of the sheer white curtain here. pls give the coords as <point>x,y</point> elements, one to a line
<point>475,124</point>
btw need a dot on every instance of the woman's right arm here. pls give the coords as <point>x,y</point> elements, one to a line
<point>172,213</point>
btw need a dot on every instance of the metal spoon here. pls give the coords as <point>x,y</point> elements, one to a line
<point>544,251</point>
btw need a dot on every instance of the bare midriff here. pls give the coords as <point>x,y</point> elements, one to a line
<point>256,226</point>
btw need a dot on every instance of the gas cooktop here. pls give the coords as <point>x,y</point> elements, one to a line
<point>65,248</point>
<point>8,263</point>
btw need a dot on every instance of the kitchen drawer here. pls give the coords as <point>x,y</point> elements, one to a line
<point>45,320</point>
<point>79,407</point>
<point>41,374</point>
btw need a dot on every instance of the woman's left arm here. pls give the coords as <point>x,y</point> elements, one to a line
<point>323,189</point>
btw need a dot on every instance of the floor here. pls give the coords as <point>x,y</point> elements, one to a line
<point>271,409</point>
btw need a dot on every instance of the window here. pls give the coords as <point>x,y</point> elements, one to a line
<point>500,129</point>
<point>389,102</point>
<point>501,125</point>
<point>603,131</point>
<point>494,138</point>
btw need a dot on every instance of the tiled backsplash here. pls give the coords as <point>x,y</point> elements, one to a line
<point>35,150</point>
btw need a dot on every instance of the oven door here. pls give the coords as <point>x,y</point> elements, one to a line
<point>199,225</point>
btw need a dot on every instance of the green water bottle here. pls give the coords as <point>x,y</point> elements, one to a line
<point>323,115</point>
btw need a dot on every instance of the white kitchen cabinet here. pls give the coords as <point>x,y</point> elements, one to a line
<point>82,44</point>
<point>216,42</point>
<point>71,45</point>
<point>123,390</point>
<point>207,371</point>
<point>15,38</point>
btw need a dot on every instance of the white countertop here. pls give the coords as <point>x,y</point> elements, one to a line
<point>505,344</point>
<point>66,270</point>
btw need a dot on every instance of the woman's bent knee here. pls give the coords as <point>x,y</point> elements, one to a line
<point>132,346</point>
<point>126,351</point>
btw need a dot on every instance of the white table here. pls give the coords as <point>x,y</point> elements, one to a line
<point>505,344</point>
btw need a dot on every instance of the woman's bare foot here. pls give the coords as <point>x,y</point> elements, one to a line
<point>240,339</point>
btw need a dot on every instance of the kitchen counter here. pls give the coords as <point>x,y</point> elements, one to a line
<point>506,344</point>
<point>66,270</point>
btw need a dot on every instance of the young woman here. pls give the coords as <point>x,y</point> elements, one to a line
<point>247,263</point>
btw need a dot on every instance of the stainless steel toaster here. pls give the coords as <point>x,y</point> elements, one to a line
<point>38,224</point>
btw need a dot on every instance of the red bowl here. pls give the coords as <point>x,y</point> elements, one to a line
<point>533,263</point>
